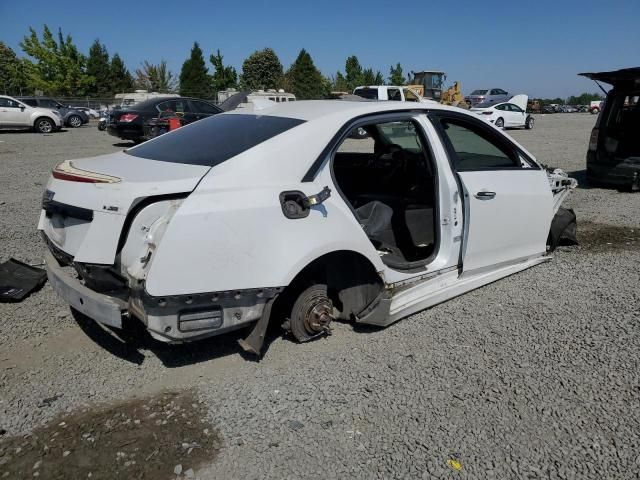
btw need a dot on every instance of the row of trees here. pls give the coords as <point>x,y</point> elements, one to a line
<point>582,99</point>
<point>263,70</point>
<point>55,66</point>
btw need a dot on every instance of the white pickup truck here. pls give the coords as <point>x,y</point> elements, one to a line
<point>388,92</point>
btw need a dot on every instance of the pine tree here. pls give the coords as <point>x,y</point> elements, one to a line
<point>99,69</point>
<point>194,77</point>
<point>396,76</point>
<point>120,78</point>
<point>223,77</point>
<point>353,73</point>
<point>262,70</point>
<point>304,79</point>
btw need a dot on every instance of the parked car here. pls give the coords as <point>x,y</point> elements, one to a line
<point>218,224</point>
<point>492,95</point>
<point>89,111</point>
<point>512,114</point>
<point>595,106</point>
<point>388,92</point>
<point>613,158</point>
<point>128,123</point>
<point>548,109</point>
<point>17,115</point>
<point>70,116</point>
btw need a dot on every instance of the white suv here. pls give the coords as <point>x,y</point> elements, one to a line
<point>17,115</point>
<point>388,92</point>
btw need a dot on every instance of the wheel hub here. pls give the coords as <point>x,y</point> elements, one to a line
<point>319,316</point>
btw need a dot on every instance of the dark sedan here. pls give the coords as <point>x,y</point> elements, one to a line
<point>70,116</point>
<point>128,123</point>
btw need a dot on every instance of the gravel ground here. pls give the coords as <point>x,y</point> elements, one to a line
<point>534,376</point>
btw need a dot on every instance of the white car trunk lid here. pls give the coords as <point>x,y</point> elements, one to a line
<point>87,200</point>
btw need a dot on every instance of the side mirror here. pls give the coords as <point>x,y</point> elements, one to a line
<point>22,108</point>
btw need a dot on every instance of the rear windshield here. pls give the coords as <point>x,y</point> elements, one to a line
<point>479,92</point>
<point>370,93</point>
<point>214,140</point>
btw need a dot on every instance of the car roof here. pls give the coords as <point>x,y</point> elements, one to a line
<point>152,102</point>
<point>314,109</point>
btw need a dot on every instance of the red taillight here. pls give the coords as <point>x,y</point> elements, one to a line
<point>593,140</point>
<point>66,171</point>
<point>74,178</point>
<point>128,117</point>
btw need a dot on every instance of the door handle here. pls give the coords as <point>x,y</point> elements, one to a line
<point>483,195</point>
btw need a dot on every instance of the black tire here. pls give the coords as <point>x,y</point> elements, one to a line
<point>499,123</point>
<point>102,126</point>
<point>137,140</point>
<point>44,125</point>
<point>74,121</point>
<point>311,313</point>
<point>528,124</point>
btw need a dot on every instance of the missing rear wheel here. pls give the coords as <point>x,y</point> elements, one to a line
<point>311,314</point>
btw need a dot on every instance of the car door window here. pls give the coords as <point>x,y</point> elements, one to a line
<point>515,108</point>
<point>474,148</point>
<point>9,103</point>
<point>394,94</point>
<point>203,107</point>
<point>31,101</point>
<point>501,107</point>
<point>46,103</point>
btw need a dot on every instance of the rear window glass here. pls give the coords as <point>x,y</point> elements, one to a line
<point>370,93</point>
<point>479,92</point>
<point>214,140</point>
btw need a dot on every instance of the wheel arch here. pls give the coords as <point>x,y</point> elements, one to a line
<point>352,280</point>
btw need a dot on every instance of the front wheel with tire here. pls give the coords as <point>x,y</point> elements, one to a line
<point>74,121</point>
<point>44,125</point>
<point>499,123</point>
<point>528,124</point>
<point>311,314</point>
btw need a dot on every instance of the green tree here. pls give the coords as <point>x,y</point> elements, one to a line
<point>396,75</point>
<point>262,70</point>
<point>194,76</point>
<point>583,99</point>
<point>223,77</point>
<point>155,78</point>
<point>12,79</point>
<point>120,78</point>
<point>304,79</point>
<point>99,69</point>
<point>339,83</point>
<point>55,67</point>
<point>353,73</point>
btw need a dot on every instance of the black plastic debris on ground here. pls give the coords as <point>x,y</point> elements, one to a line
<point>18,280</point>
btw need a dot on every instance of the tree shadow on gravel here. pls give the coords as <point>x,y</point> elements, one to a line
<point>597,237</point>
<point>132,341</point>
<point>162,436</point>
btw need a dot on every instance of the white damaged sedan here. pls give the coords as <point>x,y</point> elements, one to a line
<point>509,114</point>
<point>216,225</point>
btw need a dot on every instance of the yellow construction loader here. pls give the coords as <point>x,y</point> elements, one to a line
<point>429,84</point>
